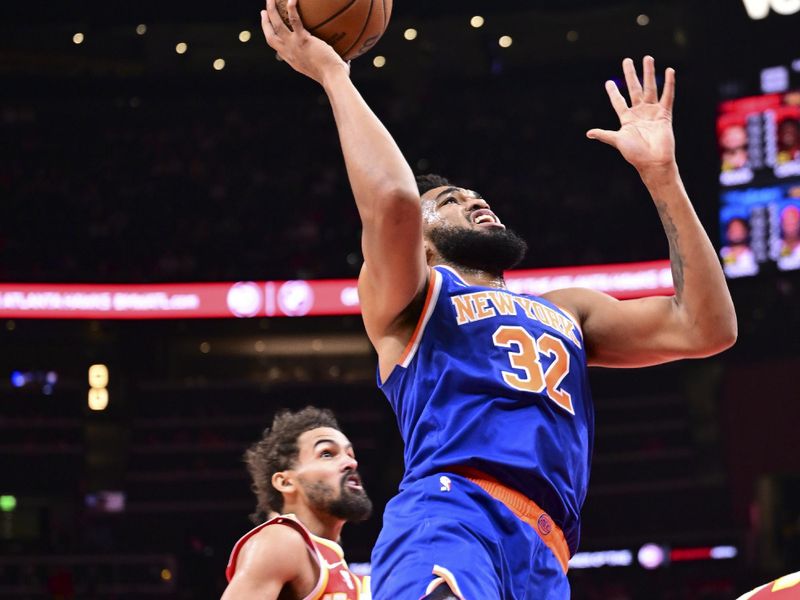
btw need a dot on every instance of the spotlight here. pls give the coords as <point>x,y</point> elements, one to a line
<point>18,379</point>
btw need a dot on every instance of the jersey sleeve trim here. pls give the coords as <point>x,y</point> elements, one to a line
<point>444,576</point>
<point>434,287</point>
<point>455,273</point>
<point>329,544</point>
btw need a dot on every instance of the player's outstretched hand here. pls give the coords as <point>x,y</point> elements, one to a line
<point>645,136</point>
<point>305,53</point>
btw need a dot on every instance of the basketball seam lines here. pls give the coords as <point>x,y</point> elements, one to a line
<point>332,17</point>
<point>363,29</point>
<point>385,16</point>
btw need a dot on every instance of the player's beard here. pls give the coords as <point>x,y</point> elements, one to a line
<point>492,251</point>
<point>350,504</point>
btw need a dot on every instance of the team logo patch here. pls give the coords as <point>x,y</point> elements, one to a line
<point>544,524</point>
<point>446,483</point>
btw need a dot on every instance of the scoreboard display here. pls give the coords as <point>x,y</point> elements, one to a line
<point>759,149</point>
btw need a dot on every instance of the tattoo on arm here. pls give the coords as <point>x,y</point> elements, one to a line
<point>675,258</point>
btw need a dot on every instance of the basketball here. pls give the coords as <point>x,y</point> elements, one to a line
<point>351,26</point>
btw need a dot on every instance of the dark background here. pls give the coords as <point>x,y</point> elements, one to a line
<point>122,161</point>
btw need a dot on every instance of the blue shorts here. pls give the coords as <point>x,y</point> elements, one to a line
<point>444,528</point>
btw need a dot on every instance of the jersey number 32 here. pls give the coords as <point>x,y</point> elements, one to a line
<point>525,353</point>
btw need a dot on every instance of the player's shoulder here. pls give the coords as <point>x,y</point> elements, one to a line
<point>280,545</point>
<point>576,300</point>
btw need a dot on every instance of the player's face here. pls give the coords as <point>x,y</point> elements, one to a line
<point>790,222</point>
<point>327,472</point>
<point>461,229</point>
<point>737,232</point>
<point>733,137</point>
<point>789,134</point>
<point>456,207</point>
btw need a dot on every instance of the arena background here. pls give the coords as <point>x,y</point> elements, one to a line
<point>123,161</point>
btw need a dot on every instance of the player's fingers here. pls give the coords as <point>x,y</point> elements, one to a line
<point>266,27</point>
<point>649,77</point>
<point>294,16</point>
<point>632,81</point>
<point>603,135</point>
<point>617,99</point>
<point>668,95</point>
<point>274,16</point>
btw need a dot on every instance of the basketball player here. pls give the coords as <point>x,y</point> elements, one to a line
<point>490,387</point>
<point>305,478</point>
<point>784,588</point>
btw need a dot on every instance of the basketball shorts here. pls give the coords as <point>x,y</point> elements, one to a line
<point>445,529</point>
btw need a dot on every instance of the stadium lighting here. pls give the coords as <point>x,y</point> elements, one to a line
<point>181,47</point>
<point>77,38</point>
<point>98,399</point>
<point>8,503</point>
<point>98,376</point>
<point>572,35</point>
<point>642,20</point>
<point>651,556</point>
<point>219,64</point>
<point>759,9</point>
<point>477,21</point>
<point>244,36</point>
<point>410,34</point>
<point>505,41</point>
<point>379,62</point>
<point>17,379</point>
<point>141,29</point>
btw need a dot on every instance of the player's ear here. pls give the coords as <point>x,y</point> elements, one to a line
<point>283,482</point>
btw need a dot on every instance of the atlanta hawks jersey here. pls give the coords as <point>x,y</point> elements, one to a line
<point>336,581</point>
<point>785,588</point>
<point>497,381</point>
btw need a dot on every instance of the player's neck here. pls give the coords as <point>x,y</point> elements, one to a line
<point>321,525</point>
<point>477,277</point>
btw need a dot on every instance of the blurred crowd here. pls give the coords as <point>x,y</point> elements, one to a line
<point>227,187</point>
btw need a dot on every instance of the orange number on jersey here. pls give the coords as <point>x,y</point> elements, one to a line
<point>558,370</point>
<point>526,358</point>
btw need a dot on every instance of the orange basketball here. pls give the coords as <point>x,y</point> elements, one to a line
<point>351,26</point>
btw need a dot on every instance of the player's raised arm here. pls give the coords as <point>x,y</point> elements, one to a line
<point>699,320</point>
<point>383,184</point>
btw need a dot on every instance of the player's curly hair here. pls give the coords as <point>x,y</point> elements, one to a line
<point>430,181</point>
<point>277,451</point>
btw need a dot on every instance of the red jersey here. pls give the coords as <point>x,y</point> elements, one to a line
<point>785,588</point>
<point>335,582</point>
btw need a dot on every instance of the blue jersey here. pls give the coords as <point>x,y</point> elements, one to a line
<point>498,382</point>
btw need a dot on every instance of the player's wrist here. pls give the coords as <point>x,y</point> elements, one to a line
<point>661,174</point>
<point>333,74</point>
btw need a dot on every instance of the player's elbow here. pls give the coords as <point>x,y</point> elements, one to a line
<point>393,204</point>
<point>718,335</point>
